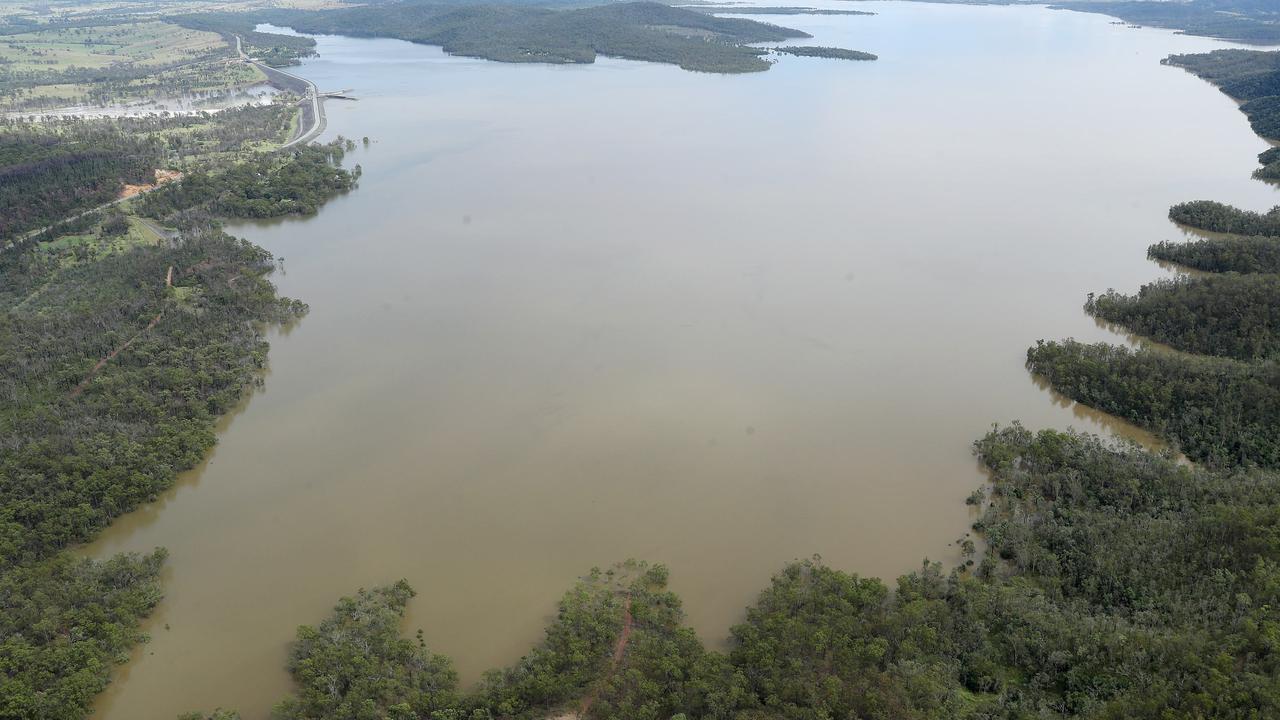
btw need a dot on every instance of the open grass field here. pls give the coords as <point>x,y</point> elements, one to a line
<point>116,66</point>
<point>145,44</point>
<point>62,10</point>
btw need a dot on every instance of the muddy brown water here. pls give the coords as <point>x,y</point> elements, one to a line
<point>578,314</point>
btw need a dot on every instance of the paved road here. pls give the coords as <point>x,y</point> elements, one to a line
<point>312,122</point>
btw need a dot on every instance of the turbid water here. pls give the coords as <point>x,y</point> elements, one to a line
<point>579,314</point>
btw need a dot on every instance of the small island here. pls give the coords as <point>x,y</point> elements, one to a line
<point>825,52</point>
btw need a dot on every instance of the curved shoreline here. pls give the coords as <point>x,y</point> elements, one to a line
<point>312,117</point>
<point>305,124</point>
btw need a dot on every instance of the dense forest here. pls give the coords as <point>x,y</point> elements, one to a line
<point>1217,217</point>
<point>1230,315</point>
<point>1226,254</point>
<point>64,623</point>
<point>1221,410</point>
<point>1219,401</point>
<point>530,33</point>
<point>1116,583</point>
<point>766,10</point>
<point>1218,410</point>
<point>58,167</point>
<point>48,172</point>
<point>294,182</point>
<point>121,349</point>
<point>87,440</point>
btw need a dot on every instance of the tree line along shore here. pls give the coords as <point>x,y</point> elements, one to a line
<point>1113,582</point>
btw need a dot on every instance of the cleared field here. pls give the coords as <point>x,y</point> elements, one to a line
<point>62,10</point>
<point>126,66</point>
<point>143,44</point>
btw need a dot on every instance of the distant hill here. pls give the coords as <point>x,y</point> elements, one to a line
<point>529,33</point>
<point>1250,21</point>
<point>1253,21</point>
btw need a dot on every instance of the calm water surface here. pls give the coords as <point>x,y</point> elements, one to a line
<point>579,314</point>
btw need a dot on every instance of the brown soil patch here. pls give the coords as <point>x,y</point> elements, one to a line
<point>162,177</point>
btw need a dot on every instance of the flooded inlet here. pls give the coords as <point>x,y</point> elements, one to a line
<point>576,314</point>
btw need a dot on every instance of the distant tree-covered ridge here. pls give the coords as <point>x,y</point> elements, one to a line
<point>1250,21</point>
<point>1219,400</point>
<point>527,33</point>
<point>87,439</point>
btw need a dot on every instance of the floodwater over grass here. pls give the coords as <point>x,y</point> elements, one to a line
<point>576,314</point>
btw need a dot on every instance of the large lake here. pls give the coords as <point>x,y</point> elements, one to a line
<point>578,314</point>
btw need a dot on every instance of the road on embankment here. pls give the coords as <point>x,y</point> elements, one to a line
<point>310,124</point>
<point>311,119</point>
